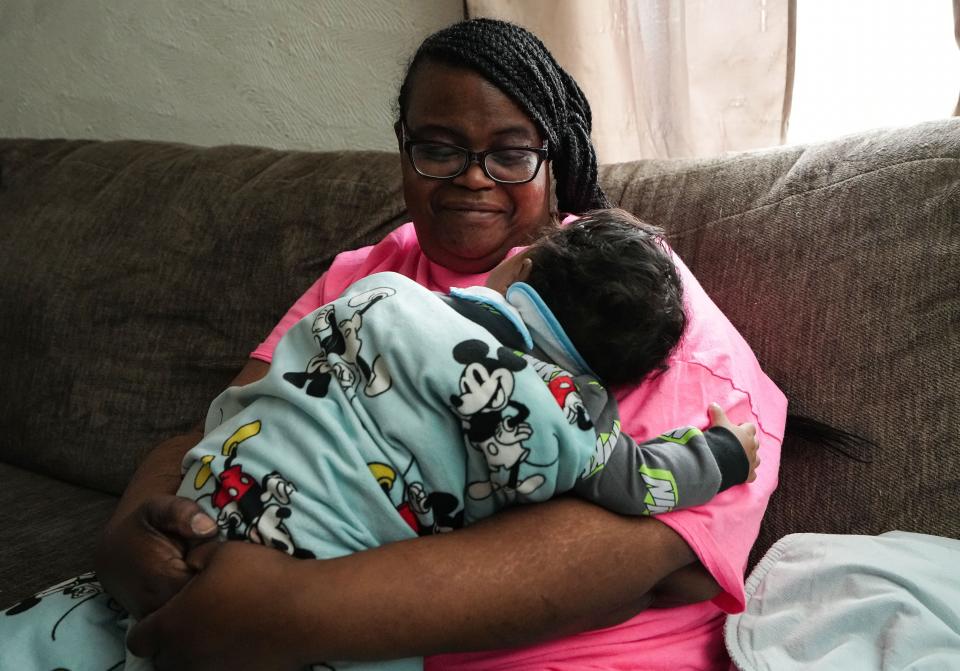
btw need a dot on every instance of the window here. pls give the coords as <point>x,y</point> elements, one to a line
<point>867,63</point>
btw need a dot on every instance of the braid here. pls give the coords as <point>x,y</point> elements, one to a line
<point>517,63</point>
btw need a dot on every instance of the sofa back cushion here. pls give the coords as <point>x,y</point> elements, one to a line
<point>136,277</point>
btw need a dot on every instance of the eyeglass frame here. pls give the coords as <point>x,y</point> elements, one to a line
<point>478,157</point>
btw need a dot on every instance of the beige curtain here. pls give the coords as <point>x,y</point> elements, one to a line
<point>669,78</point>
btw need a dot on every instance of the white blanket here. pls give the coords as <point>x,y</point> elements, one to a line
<point>819,601</point>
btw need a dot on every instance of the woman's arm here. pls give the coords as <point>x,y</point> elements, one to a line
<point>528,574</point>
<point>140,555</point>
<point>690,584</point>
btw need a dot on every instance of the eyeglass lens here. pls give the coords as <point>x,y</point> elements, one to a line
<point>507,165</point>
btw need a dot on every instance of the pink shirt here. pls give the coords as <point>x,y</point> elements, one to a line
<point>712,363</point>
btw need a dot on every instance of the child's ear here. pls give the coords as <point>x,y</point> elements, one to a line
<point>523,272</point>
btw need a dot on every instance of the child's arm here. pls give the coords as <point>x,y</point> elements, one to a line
<point>680,469</point>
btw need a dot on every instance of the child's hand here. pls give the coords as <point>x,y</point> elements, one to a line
<point>746,433</point>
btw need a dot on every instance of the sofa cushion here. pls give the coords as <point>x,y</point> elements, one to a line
<point>48,533</point>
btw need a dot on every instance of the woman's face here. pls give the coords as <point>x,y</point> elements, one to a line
<point>469,223</point>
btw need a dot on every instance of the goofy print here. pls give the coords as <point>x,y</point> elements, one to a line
<point>339,356</point>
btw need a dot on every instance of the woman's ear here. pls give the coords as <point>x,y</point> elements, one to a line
<point>398,131</point>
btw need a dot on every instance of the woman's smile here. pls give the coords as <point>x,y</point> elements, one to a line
<point>466,206</point>
<point>471,213</point>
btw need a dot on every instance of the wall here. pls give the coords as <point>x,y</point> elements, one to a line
<point>283,73</point>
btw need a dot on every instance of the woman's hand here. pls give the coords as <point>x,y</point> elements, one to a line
<point>236,613</point>
<point>746,433</point>
<point>141,557</point>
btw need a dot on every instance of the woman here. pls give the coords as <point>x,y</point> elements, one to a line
<point>531,574</point>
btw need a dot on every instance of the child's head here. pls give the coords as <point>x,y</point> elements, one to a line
<point>612,285</point>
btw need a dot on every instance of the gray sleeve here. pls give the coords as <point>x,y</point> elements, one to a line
<point>680,469</point>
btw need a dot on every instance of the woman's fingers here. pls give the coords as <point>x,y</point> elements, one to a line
<point>176,515</point>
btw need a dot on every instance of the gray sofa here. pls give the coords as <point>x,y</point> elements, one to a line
<point>135,277</point>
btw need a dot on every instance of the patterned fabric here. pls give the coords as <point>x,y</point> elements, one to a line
<point>73,625</point>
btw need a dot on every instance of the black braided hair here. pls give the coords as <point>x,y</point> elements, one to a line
<point>516,62</point>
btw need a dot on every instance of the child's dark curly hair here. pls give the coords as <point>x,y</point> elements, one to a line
<point>611,283</point>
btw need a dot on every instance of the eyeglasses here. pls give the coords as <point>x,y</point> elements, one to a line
<point>506,165</point>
